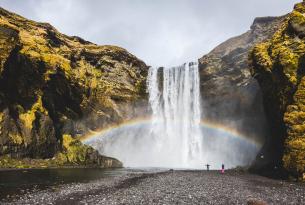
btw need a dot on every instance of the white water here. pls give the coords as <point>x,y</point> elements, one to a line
<point>174,137</point>
<point>176,115</point>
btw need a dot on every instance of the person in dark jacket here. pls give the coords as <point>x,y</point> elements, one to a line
<point>208,167</point>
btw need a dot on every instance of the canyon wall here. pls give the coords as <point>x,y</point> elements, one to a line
<point>268,107</point>
<point>53,85</point>
<point>230,95</point>
<point>278,64</point>
<point>56,88</point>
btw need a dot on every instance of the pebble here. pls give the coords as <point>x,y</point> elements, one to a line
<point>178,187</point>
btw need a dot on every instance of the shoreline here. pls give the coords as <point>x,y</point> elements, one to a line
<point>148,170</point>
<point>64,167</point>
<point>171,187</point>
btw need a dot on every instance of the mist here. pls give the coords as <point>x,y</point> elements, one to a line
<point>175,136</point>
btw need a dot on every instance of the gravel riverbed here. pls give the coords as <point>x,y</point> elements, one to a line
<point>172,187</point>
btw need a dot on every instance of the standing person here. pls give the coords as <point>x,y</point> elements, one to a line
<point>222,168</point>
<point>208,167</point>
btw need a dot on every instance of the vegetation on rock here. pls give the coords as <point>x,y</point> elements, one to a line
<point>53,85</point>
<point>74,154</point>
<point>279,66</point>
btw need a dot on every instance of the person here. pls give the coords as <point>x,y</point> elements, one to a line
<point>222,168</point>
<point>208,167</point>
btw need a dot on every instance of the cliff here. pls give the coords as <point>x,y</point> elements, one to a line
<point>230,95</point>
<point>55,88</point>
<point>279,66</point>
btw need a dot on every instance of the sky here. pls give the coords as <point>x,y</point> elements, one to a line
<point>160,32</point>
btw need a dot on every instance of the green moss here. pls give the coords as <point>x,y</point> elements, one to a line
<point>281,57</point>
<point>261,55</point>
<point>141,87</point>
<point>294,158</point>
<point>29,117</point>
<point>299,95</point>
<point>15,139</point>
<point>74,151</point>
<point>55,60</point>
<point>60,159</point>
<point>36,46</point>
<point>297,18</point>
<point>8,162</point>
<point>289,61</point>
<point>294,116</point>
<point>300,7</point>
<point>5,23</point>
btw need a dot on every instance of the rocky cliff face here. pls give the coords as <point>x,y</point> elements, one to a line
<point>53,85</point>
<point>279,66</point>
<point>231,96</point>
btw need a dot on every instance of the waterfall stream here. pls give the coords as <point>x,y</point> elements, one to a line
<point>176,114</point>
<point>174,136</point>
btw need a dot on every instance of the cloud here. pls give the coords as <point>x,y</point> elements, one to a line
<point>160,32</point>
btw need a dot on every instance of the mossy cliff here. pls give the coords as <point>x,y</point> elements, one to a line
<point>53,85</point>
<point>279,66</point>
<point>73,154</point>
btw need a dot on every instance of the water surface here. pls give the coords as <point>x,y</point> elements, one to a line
<point>14,183</point>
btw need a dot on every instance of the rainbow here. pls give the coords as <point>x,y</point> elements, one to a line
<point>206,124</point>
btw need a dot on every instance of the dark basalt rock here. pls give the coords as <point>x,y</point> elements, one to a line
<point>231,96</point>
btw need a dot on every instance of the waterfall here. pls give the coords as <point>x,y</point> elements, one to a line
<point>174,136</point>
<point>174,97</point>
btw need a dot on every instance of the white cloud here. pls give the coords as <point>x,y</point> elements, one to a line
<point>161,32</point>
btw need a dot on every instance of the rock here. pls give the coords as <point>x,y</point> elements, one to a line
<point>180,187</point>
<point>278,65</point>
<point>256,202</point>
<point>76,153</point>
<point>52,85</point>
<point>231,96</point>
